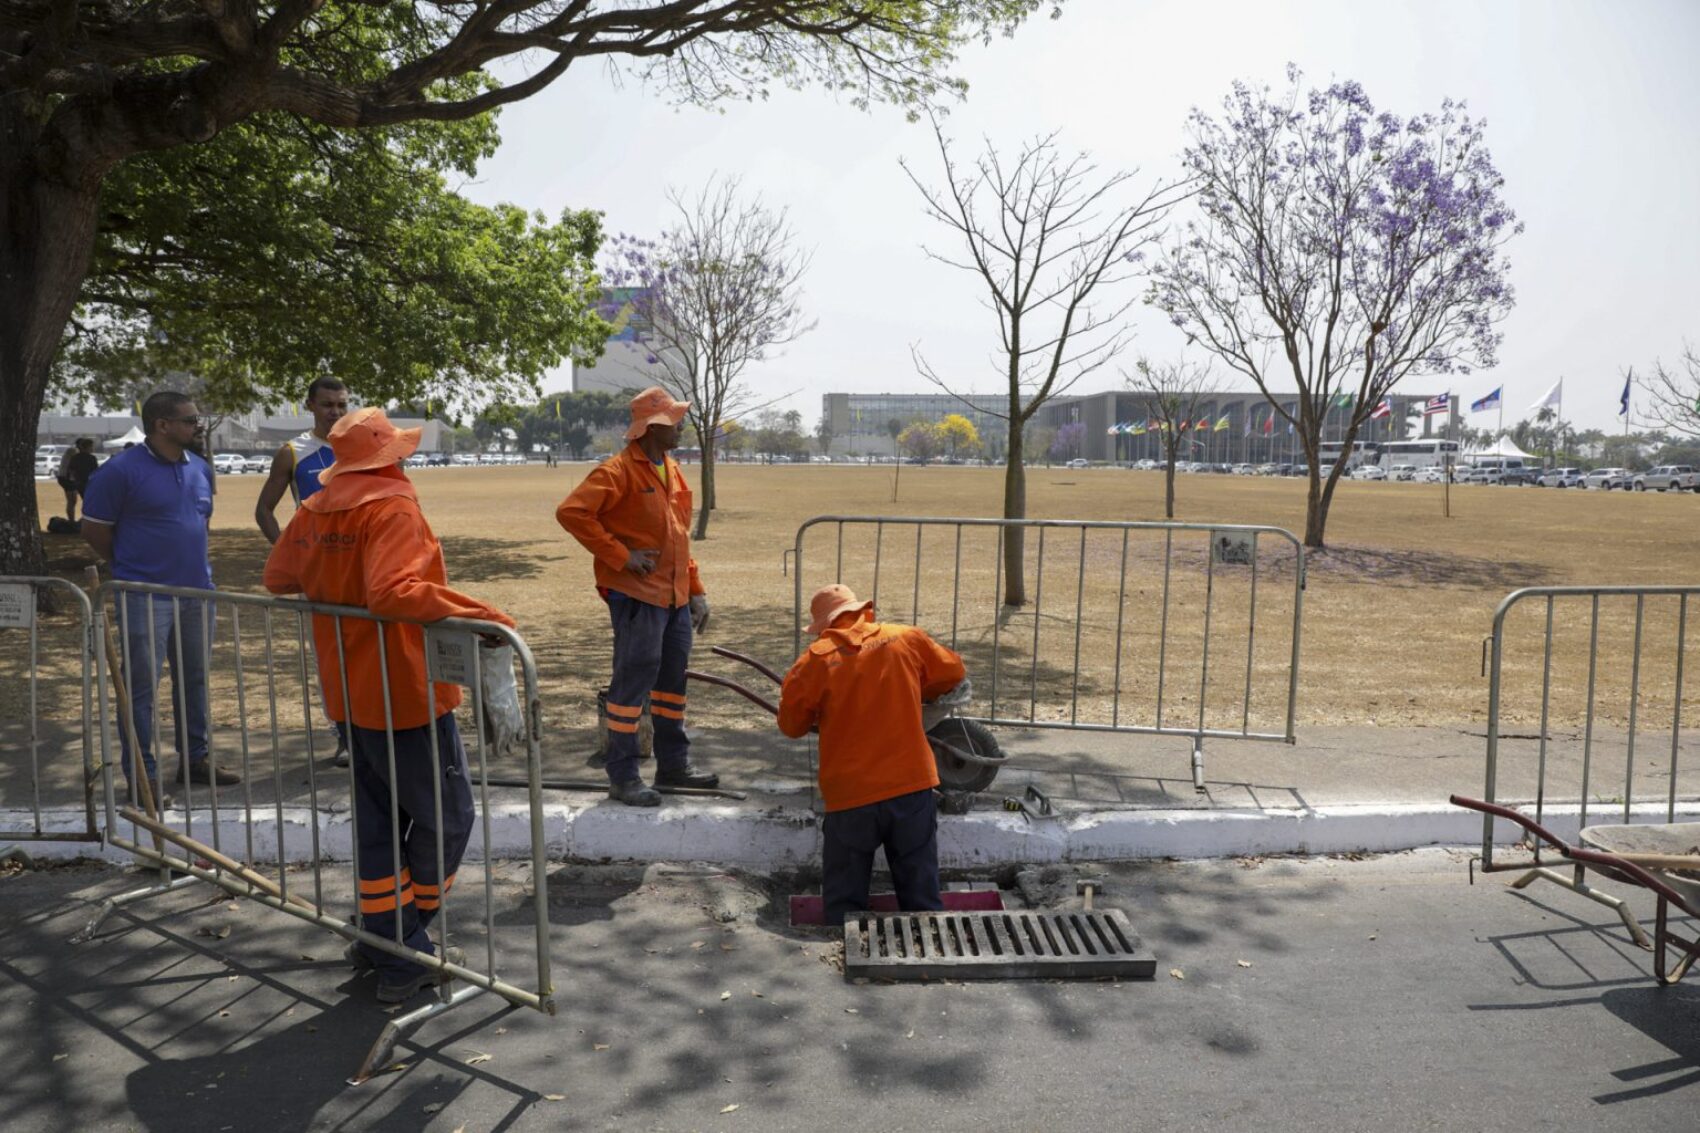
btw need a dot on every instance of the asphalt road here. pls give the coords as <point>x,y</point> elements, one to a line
<point>1384,994</point>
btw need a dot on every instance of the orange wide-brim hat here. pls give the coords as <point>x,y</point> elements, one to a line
<point>655,406</point>
<point>365,439</point>
<point>831,601</point>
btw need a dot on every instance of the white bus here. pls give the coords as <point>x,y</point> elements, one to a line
<point>1419,453</point>
<point>1363,452</point>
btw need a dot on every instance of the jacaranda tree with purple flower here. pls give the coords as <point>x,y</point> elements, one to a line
<point>718,290</point>
<point>1339,250</point>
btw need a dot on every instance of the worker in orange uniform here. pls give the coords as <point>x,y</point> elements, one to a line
<point>633,514</point>
<point>362,541</point>
<point>861,683</point>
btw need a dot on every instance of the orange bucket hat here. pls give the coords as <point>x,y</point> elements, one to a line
<point>655,406</point>
<point>829,602</point>
<point>364,440</point>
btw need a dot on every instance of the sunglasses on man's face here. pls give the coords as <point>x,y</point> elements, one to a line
<point>196,421</point>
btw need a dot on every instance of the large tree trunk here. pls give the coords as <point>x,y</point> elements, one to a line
<point>47,231</point>
<point>1015,507</point>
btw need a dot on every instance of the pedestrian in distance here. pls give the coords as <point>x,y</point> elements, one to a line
<point>632,512</point>
<point>146,512</point>
<point>295,469</point>
<point>363,541</point>
<point>861,684</point>
<point>79,464</point>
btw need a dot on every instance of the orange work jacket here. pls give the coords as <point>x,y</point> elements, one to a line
<point>362,541</point>
<point>862,684</point>
<point>623,506</point>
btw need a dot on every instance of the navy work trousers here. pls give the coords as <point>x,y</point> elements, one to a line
<point>652,647</point>
<point>908,827</point>
<point>414,885</point>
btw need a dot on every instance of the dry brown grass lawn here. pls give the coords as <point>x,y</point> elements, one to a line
<point>1394,614</point>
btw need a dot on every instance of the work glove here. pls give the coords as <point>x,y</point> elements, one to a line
<point>699,612</point>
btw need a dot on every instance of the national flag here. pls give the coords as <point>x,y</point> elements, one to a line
<point>1292,408</point>
<point>1113,430</point>
<point>1623,401</point>
<point>1344,400</point>
<point>557,409</point>
<point>1203,424</point>
<point>1491,401</point>
<point>138,407</point>
<point>1553,397</point>
<point>1435,405</point>
<point>1269,423</point>
<point>1136,429</point>
<point>1221,423</point>
<point>1385,409</point>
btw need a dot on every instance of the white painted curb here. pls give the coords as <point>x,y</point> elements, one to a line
<point>780,837</point>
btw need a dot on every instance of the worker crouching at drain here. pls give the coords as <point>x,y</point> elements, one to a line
<point>861,683</point>
<point>362,541</point>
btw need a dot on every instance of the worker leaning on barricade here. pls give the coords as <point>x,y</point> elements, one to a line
<point>861,683</point>
<point>362,541</point>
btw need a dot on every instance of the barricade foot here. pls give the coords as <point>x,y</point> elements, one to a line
<point>107,906</point>
<point>1198,767</point>
<point>17,854</point>
<point>378,1058</point>
<point>1577,885</point>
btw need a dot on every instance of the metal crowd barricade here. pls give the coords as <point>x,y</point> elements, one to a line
<point>49,681</point>
<point>261,684</point>
<point>1169,629</point>
<point>1641,633</point>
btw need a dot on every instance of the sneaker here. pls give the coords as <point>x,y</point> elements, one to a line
<point>357,958</point>
<point>634,793</point>
<point>686,776</point>
<point>340,759</point>
<point>205,772</point>
<point>400,989</point>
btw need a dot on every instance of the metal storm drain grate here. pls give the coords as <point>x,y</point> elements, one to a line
<point>992,946</point>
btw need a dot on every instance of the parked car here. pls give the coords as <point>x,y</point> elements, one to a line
<point>1078,462</point>
<point>1433,474</point>
<point>1402,472</point>
<point>438,460</point>
<point>1608,478</point>
<point>229,463</point>
<point>1667,478</point>
<point>1561,478</point>
<point>1370,472</point>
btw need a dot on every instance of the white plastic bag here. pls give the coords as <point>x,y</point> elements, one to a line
<point>504,720</point>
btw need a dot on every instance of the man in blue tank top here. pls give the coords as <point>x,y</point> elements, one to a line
<point>296,468</point>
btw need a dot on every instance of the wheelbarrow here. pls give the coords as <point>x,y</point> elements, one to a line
<point>965,751</point>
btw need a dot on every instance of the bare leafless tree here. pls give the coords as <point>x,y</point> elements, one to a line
<point>1172,394</point>
<point>718,290</point>
<point>1675,393</point>
<point>1052,239</point>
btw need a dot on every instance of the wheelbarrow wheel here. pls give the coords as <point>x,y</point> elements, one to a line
<point>958,774</point>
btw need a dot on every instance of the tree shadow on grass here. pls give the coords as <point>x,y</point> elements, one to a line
<point>1415,568</point>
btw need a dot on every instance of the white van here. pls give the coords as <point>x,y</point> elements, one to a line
<point>1498,470</point>
<point>47,459</point>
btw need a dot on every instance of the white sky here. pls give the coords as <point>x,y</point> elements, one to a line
<point>1592,108</point>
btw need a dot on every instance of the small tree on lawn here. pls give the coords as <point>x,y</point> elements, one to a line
<point>1174,396</point>
<point>720,289</point>
<point>1340,250</point>
<point>920,441</point>
<point>1052,240</point>
<point>958,436</point>
<point>1675,393</point>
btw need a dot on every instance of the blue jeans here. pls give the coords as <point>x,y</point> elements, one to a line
<point>652,647</point>
<point>152,628</point>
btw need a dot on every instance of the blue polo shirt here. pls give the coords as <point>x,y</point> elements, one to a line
<point>159,511</point>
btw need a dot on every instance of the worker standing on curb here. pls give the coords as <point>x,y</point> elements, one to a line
<point>633,514</point>
<point>861,683</point>
<point>362,541</point>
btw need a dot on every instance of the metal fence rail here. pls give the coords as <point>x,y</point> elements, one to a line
<point>1178,629</point>
<point>47,682</point>
<point>1614,658</point>
<point>255,658</point>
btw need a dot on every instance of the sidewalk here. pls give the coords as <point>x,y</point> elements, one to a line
<point>1117,797</point>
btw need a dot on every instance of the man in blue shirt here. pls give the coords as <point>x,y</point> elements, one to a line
<point>146,512</point>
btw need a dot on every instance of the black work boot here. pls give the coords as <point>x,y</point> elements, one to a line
<point>686,776</point>
<point>634,792</point>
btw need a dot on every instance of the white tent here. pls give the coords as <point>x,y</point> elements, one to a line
<point>1505,446</point>
<point>134,437</point>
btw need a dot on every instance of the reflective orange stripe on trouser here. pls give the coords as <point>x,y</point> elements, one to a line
<point>652,647</point>
<point>408,815</point>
